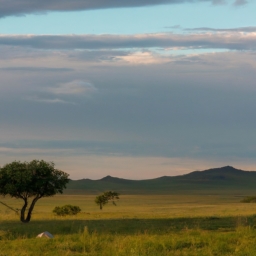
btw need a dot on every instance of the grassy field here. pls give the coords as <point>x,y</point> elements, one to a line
<point>138,225</point>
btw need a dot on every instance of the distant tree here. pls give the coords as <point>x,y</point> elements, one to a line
<point>101,200</point>
<point>107,196</point>
<point>31,181</point>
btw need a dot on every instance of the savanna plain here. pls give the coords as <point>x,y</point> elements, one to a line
<point>176,224</point>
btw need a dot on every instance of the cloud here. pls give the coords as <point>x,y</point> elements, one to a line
<point>75,87</point>
<point>240,29</point>
<point>231,40</point>
<point>23,7</point>
<point>169,107</point>
<point>35,69</point>
<point>136,58</point>
<point>217,2</point>
<point>97,55</point>
<point>240,2</point>
<point>194,106</point>
<point>63,93</point>
<point>174,27</point>
<point>50,101</point>
<point>36,151</point>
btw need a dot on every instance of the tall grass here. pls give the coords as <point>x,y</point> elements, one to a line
<point>184,242</point>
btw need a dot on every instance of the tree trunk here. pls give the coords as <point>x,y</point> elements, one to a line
<point>31,209</point>
<point>23,210</point>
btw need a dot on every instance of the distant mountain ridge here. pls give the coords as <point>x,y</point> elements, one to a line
<point>223,172</point>
<point>115,179</point>
<point>223,178</point>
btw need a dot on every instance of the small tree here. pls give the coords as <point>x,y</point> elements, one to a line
<point>107,196</point>
<point>101,200</point>
<point>31,181</point>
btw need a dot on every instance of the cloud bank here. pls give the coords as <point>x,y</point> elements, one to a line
<point>231,40</point>
<point>240,29</point>
<point>135,96</point>
<point>24,7</point>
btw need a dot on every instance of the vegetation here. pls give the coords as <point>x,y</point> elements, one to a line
<point>207,225</point>
<point>201,222</point>
<point>106,197</point>
<point>66,210</point>
<point>31,180</point>
<point>249,199</point>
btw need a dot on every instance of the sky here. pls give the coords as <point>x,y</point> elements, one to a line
<point>131,89</point>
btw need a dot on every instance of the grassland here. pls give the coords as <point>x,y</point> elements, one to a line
<point>195,224</point>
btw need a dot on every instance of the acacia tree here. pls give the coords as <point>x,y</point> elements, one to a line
<point>101,200</point>
<point>107,196</point>
<point>31,181</point>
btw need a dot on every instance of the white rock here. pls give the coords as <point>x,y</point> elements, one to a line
<point>45,234</point>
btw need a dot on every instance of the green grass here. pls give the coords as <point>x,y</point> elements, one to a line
<point>224,236</point>
<point>139,225</point>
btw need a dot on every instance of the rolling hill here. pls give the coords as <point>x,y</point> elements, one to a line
<point>216,180</point>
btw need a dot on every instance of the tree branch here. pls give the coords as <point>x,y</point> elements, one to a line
<point>15,210</point>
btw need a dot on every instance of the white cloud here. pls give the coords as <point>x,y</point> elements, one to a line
<point>75,87</point>
<point>137,58</point>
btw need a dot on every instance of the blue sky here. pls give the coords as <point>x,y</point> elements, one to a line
<point>135,92</point>
<point>149,19</point>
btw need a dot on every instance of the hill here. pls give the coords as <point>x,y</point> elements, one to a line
<point>214,180</point>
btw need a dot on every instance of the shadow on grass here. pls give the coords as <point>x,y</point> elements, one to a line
<point>16,229</point>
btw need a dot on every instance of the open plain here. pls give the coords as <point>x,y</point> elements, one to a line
<point>195,224</point>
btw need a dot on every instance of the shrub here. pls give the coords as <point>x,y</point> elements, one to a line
<point>249,199</point>
<point>66,210</point>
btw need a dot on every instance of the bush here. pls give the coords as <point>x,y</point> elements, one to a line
<point>249,199</point>
<point>66,210</point>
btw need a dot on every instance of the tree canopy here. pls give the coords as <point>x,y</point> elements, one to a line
<point>31,181</point>
<point>107,196</point>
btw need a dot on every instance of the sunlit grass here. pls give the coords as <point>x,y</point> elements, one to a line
<point>132,206</point>
<point>138,225</point>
